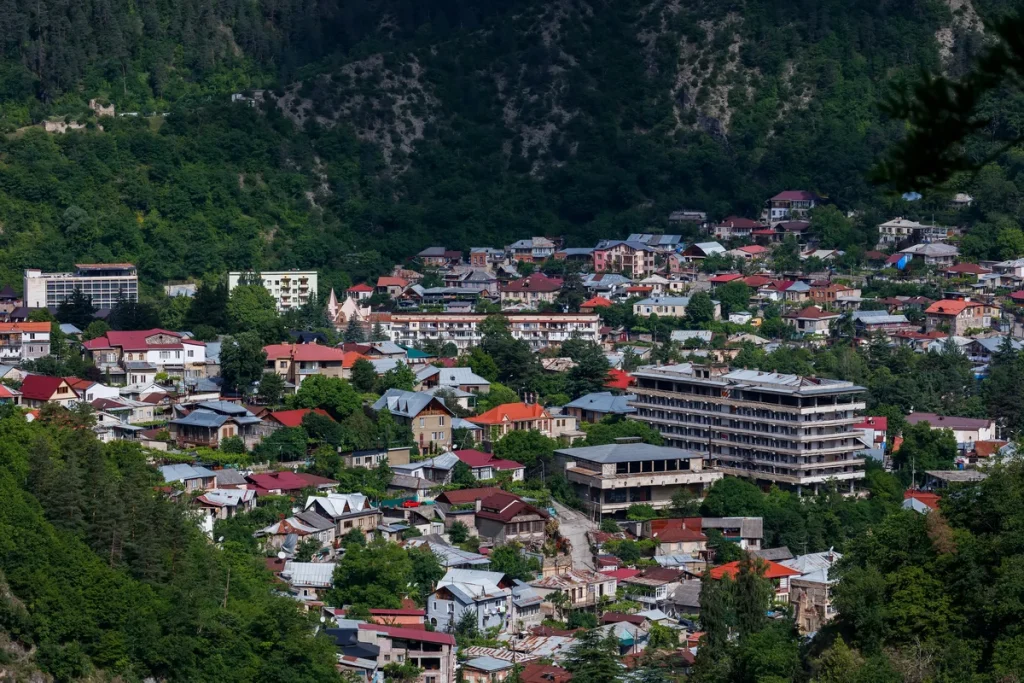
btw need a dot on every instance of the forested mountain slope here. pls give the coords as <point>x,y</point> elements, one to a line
<point>477,121</point>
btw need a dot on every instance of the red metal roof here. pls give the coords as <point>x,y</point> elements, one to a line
<point>727,277</point>
<point>411,634</point>
<point>878,423</point>
<point>293,418</point>
<point>538,282</point>
<point>41,387</point>
<point>467,495</point>
<point>772,570</point>
<point>795,196</point>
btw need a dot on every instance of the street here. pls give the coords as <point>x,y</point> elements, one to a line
<point>574,526</point>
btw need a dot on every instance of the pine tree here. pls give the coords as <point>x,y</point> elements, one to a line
<point>752,595</point>
<point>594,659</point>
<point>354,332</point>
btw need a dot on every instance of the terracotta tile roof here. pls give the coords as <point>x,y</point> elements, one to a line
<point>756,281</point>
<point>623,574</point>
<point>726,277</point>
<point>596,302</point>
<point>754,249</point>
<point>772,570</point>
<point>812,313</point>
<point>929,499</point>
<point>986,449</point>
<point>740,222</point>
<point>949,307</point>
<point>392,282</point>
<point>24,327</point>
<point>971,268</point>
<point>511,412</point>
<point>361,287</point>
<point>311,352</point>
<point>673,531</point>
<point>795,196</point>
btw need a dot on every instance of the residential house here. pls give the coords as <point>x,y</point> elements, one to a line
<point>673,537</point>
<point>359,292</point>
<point>597,406</point>
<point>872,322</point>
<point>933,254</point>
<point>595,303</point>
<point>957,316</point>
<point>966,430</point>
<point>668,307</point>
<point>876,430</point>
<point>286,483</point>
<point>439,257</point>
<point>308,580</point>
<point>9,396</point>
<point>531,290</point>
<point>37,390</point>
<point>635,258</point>
<point>901,230</point>
<point>9,300</point>
<point>348,511</point>
<point>485,257</point>
<point>533,250</point>
<point>982,349</point>
<point>735,228</point>
<point>24,341</point>
<point>496,600</point>
<point>581,587</point>
<point>663,243</point>
<point>699,251</point>
<point>778,574</point>
<point>209,422</point>
<point>790,204</point>
<point>438,469</point>
<point>504,517</point>
<point>969,271</point>
<point>463,379</point>
<point>652,587</point>
<point>428,416</point>
<point>830,293</point>
<point>295,362</point>
<point>508,417</point>
<point>810,593</point>
<point>218,504</point>
<point>136,357</point>
<point>372,458</point>
<point>461,505</point>
<point>279,419</point>
<point>750,252</point>
<point>486,466</point>
<point>812,321</point>
<point>392,286</point>
<point>486,670</point>
<point>191,477</point>
<point>430,651</point>
<point>612,477</point>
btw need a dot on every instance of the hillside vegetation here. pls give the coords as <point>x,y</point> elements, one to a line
<point>481,122</point>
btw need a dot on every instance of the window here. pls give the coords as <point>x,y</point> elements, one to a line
<point>422,422</point>
<point>164,355</point>
<point>282,364</point>
<point>191,353</point>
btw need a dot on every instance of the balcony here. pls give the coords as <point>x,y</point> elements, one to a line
<point>597,480</point>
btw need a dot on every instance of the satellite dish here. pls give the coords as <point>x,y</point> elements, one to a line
<point>281,555</point>
<point>220,540</point>
<point>323,619</point>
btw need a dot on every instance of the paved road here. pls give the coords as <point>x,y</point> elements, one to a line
<point>575,526</point>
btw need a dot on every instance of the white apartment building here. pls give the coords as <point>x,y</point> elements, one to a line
<point>463,329</point>
<point>784,429</point>
<point>104,283</point>
<point>290,288</point>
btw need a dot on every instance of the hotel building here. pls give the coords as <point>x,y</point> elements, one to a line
<point>104,283</point>
<point>788,430</point>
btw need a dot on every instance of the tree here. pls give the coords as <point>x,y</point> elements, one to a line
<point>509,559</point>
<point>641,512</point>
<point>233,445</point>
<point>378,333</point>
<point>354,332</point>
<point>609,526</point>
<point>376,576</point>
<point>685,503</point>
<point>462,475</point>
<point>700,309</point>
<point>752,595</point>
<point>573,293</point>
<point>364,376</point>
<point>209,305</point>
<point>611,428</point>
<point>335,395</point>
<point>527,447</point>
<point>924,448</point>
<point>734,296</point>
<point>426,571</point>
<point>733,497</point>
<point>77,309</point>
<point>242,360</point>
<point>458,532</point>
<point>480,363</point>
<point>271,388</point>
<point>398,377</point>
<point>591,370</point>
<point>133,315</point>
<point>594,658</point>
<point>498,395</point>
<point>305,551</point>
<point>252,308</point>
<point>96,329</point>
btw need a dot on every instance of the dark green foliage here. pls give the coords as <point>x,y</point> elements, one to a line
<point>594,658</point>
<point>581,619</point>
<point>591,370</point>
<point>700,310</point>
<point>364,377</point>
<point>375,576</point>
<point>77,310</point>
<point>509,559</point>
<point>458,532</point>
<point>462,475</point>
<point>611,428</point>
<point>271,388</point>
<point>116,577</point>
<point>242,360</point>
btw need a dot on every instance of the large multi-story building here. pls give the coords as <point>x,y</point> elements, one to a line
<point>783,429</point>
<point>610,478</point>
<point>290,288</point>
<point>463,329</point>
<point>104,283</point>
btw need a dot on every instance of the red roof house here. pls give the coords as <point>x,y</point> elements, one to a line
<point>293,418</point>
<point>39,389</point>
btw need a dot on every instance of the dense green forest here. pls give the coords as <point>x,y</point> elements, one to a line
<point>481,122</point>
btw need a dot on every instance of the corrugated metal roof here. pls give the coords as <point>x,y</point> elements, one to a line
<point>316,574</point>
